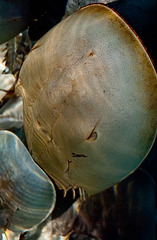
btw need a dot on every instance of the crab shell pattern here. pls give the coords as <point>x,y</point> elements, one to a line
<point>90,100</point>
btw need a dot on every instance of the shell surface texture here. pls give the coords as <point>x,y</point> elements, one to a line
<point>27,196</point>
<point>90,93</point>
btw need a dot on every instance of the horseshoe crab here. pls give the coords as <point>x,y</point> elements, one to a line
<point>14,17</point>
<point>27,196</point>
<point>90,92</point>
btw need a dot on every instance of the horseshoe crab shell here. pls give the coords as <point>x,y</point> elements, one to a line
<point>90,93</point>
<point>26,194</point>
<point>14,18</point>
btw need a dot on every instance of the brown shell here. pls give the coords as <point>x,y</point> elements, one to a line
<point>90,95</point>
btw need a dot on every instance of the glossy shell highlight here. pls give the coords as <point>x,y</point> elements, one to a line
<point>26,194</point>
<point>90,95</point>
